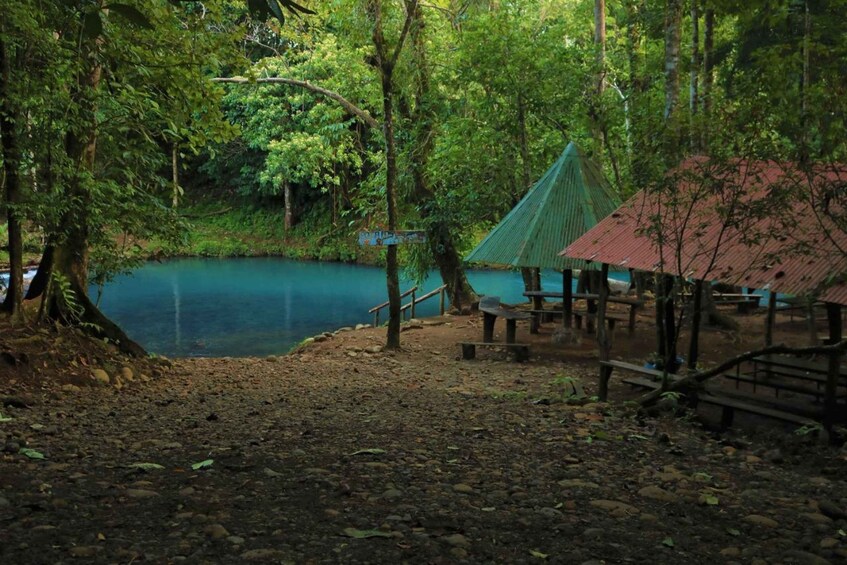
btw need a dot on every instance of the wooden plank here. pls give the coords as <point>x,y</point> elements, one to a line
<point>736,404</point>
<point>519,350</point>
<point>778,385</point>
<point>807,409</point>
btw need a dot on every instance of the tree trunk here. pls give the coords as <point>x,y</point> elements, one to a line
<point>600,43</point>
<point>694,341</point>
<point>175,174</point>
<point>441,245</point>
<point>693,87</point>
<point>386,64</point>
<point>38,285</point>
<point>673,21</point>
<point>671,334</point>
<point>526,178</point>
<point>805,137</point>
<point>391,265</point>
<point>288,195</point>
<point>595,105</point>
<point>708,72</point>
<point>604,340</point>
<point>10,121</point>
<point>661,342</point>
<point>66,298</point>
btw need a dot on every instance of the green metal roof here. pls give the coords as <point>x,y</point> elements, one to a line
<point>568,200</point>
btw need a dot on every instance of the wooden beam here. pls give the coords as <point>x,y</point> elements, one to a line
<point>770,321</point>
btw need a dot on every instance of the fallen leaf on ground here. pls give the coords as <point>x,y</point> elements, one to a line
<point>202,464</point>
<point>364,534</point>
<point>369,451</point>
<point>146,466</point>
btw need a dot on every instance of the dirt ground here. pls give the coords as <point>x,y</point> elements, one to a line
<point>341,452</point>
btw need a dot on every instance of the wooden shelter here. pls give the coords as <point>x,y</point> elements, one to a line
<point>568,200</point>
<point>753,224</point>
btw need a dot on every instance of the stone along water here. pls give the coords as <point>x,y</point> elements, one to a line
<point>261,306</point>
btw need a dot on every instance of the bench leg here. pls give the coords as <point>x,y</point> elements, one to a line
<point>511,330</point>
<point>521,353</point>
<point>727,415</point>
<point>488,327</point>
<point>468,351</point>
<point>535,322</point>
<point>632,320</point>
<point>603,385</point>
<point>611,322</point>
<point>578,321</point>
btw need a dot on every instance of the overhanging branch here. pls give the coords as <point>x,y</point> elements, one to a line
<point>363,115</point>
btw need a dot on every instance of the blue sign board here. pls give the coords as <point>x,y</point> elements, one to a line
<point>378,238</point>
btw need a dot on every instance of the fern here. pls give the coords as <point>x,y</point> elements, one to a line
<point>66,298</point>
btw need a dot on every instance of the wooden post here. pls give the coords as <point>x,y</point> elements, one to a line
<point>441,300</point>
<point>660,315</point>
<point>770,320</point>
<point>511,330</point>
<point>604,342</point>
<point>670,321</point>
<point>412,308</point>
<point>537,304</point>
<point>833,315</point>
<point>694,344</point>
<point>811,321</point>
<point>488,327</point>
<point>567,298</point>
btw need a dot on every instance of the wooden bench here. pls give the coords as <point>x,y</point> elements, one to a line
<point>744,302</point>
<point>611,318</point>
<point>606,368</point>
<point>519,350</point>
<point>729,405</point>
<point>491,309</point>
<point>728,401</point>
<point>779,384</point>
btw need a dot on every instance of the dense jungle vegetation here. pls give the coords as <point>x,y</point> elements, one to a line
<point>154,127</point>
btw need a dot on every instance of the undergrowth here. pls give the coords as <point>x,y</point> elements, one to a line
<point>219,230</point>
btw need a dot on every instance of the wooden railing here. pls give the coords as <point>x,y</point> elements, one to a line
<point>410,306</point>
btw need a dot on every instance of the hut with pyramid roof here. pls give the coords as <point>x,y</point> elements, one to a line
<point>568,200</point>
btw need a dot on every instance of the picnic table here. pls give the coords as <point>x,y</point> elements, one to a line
<point>492,309</point>
<point>744,302</point>
<point>539,313</point>
<point>797,368</point>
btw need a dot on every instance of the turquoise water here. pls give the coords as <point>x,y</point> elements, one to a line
<point>262,306</point>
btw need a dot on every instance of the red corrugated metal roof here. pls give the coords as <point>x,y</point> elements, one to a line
<point>787,243</point>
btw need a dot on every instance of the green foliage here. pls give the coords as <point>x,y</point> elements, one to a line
<point>66,297</point>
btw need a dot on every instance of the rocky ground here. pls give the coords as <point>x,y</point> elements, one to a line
<point>341,452</point>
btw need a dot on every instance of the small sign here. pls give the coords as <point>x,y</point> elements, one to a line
<point>378,238</point>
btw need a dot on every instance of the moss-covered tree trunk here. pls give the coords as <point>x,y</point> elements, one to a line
<point>9,123</point>
<point>66,292</point>
<point>441,244</point>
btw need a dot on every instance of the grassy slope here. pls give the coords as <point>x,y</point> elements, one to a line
<point>219,230</point>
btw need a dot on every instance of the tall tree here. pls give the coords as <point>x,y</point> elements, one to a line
<point>673,24</point>
<point>386,63</point>
<point>10,123</point>
<point>694,74</point>
<point>423,118</point>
